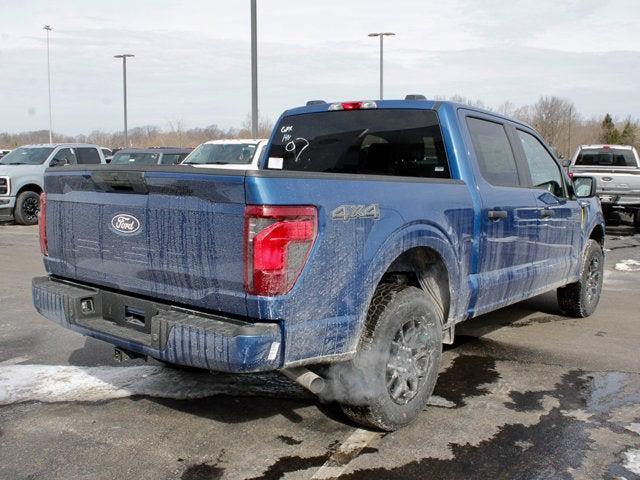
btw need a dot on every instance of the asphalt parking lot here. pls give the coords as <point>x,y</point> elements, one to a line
<point>525,393</point>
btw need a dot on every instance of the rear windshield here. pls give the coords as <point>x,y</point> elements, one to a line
<point>375,142</point>
<point>27,156</point>
<point>124,158</point>
<point>222,154</point>
<point>606,157</point>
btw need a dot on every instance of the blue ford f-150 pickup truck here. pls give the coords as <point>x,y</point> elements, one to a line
<point>370,231</point>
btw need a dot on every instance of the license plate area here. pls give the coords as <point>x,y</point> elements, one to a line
<point>129,312</point>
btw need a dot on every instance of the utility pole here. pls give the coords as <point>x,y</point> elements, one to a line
<point>382,35</point>
<point>48,29</point>
<point>124,57</point>
<point>254,70</point>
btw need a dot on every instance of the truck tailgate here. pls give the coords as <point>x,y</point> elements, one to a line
<point>170,234</point>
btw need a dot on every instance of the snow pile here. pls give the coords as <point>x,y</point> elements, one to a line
<point>62,383</point>
<point>628,266</point>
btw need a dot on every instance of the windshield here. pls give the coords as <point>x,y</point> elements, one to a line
<point>27,156</point>
<point>222,154</point>
<point>606,157</point>
<point>139,158</point>
<point>374,142</point>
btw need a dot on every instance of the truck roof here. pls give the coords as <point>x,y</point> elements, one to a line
<point>607,145</point>
<point>237,140</point>
<point>423,104</point>
<point>54,145</point>
<point>155,150</point>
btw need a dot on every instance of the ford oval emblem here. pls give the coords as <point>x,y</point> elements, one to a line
<point>125,223</point>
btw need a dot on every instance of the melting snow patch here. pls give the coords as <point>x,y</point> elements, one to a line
<point>628,266</point>
<point>632,461</point>
<point>57,383</point>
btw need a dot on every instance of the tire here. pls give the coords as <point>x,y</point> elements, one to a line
<point>27,208</point>
<point>636,219</point>
<point>378,393</point>
<point>581,298</point>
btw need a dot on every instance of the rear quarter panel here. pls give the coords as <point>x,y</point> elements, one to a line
<point>324,313</point>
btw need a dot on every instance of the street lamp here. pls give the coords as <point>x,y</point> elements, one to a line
<point>124,57</point>
<point>254,71</point>
<point>381,35</point>
<point>48,29</point>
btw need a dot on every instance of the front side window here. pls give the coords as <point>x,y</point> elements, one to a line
<point>87,155</point>
<point>374,142</point>
<point>493,151</point>
<point>222,154</point>
<point>545,172</point>
<point>606,157</point>
<point>65,156</point>
<point>26,156</point>
<point>171,158</point>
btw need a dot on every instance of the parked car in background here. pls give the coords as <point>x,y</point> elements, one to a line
<point>150,156</point>
<point>22,175</point>
<point>108,154</point>
<point>228,154</point>
<point>616,169</point>
<point>3,152</point>
<point>370,231</point>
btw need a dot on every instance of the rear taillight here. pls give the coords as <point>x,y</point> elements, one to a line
<point>278,240</point>
<point>42,224</point>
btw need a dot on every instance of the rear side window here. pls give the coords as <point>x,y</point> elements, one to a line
<point>87,155</point>
<point>375,142</point>
<point>493,151</point>
<point>606,157</point>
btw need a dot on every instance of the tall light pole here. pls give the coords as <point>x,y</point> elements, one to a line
<point>48,29</point>
<point>254,70</point>
<point>382,35</point>
<point>124,57</point>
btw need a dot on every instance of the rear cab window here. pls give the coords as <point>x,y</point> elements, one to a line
<point>393,142</point>
<point>606,157</point>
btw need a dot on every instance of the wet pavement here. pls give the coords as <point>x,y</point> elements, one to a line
<point>525,393</point>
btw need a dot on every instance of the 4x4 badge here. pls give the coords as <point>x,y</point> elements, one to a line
<point>353,212</point>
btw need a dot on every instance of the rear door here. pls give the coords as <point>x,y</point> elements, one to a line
<point>559,216</point>
<point>509,224</point>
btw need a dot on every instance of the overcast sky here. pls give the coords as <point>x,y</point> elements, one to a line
<point>193,58</point>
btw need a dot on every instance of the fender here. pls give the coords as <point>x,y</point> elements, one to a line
<point>410,236</point>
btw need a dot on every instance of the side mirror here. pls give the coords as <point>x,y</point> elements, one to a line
<point>58,162</point>
<point>566,163</point>
<point>584,187</point>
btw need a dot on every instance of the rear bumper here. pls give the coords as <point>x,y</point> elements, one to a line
<point>160,331</point>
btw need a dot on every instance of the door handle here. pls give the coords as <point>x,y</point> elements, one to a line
<point>546,213</point>
<point>497,214</point>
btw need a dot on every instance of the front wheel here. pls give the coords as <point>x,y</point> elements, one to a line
<point>27,208</point>
<point>393,375</point>
<point>581,298</point>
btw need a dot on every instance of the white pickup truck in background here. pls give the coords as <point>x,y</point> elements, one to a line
<point>616,169</point>
<point>241,154</point>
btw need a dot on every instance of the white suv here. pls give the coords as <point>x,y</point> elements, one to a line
<point>243,154</point>
<point>22,175</point>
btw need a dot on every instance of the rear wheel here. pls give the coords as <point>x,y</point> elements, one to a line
<point>27,208</point>
<point>393,375</point>
<point>581,298</point>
